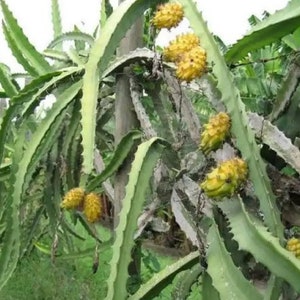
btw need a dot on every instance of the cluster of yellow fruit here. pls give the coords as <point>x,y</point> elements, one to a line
<point>225,179</point>
<point>185,51</point>
<point>293,245</point>
<point>76,198</point>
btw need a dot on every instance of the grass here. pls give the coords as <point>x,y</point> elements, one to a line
<point>36,278</point>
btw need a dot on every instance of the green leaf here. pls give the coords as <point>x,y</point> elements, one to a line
<point>286,91</point>
<point>19,178</point>
<point>56,20</point>
<point>184,218</point>
<point>73,156</point>
<point>11,236</point>
<point>69,228</point>
<point>56,55</point>
<point>226,277</point>
<point>71,141</point>
<point>101,52</point>
<point>51,136</point>
<point>103,15</point>
<point>208,290</point>
<point>253,237</point>
<point>244,136</point>
<point>267,31</point>
<point>183,282</point>
<point>106,11</point>
<point>85,253</point>
<point>4,171</point>
<point>29,97</point>
<point>18,54</point>
<point>46,249</point>
<point>293,40</point>
<point>140,54</point>
<point>123,149</point>
<point>75,57</point>
<point>7,82</point>
<point>29,231</point>
<point>144,162</point>
<point>160,280</point>
<point>90,229</point>
<point>3,94</point>
<point>34,58</point>
<point>80,45</point>
<point>274,289</point>
<point>71,36</point>
<point>16,103</point>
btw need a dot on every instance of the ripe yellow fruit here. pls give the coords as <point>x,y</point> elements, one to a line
<point>192,64</point>
<point>92,207</point>
<point>293,245</point>
<point>182,44</point>
<point>215,132</point>
<point>73,198</point>
<point>224,180</point>
<point>168,15</point>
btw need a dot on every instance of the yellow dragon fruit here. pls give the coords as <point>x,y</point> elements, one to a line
<point>192,64</point>
<point>224,180</point>
<point>168,15</point>
<point>73,198</point>
<point>92,207</point>
<point>293,245</point>
<point>182,44</point>
<point>215,132</point>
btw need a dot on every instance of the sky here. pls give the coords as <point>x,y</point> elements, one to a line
<point>228,19</point>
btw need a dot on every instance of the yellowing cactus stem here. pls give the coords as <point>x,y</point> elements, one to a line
<point>224,180</point>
